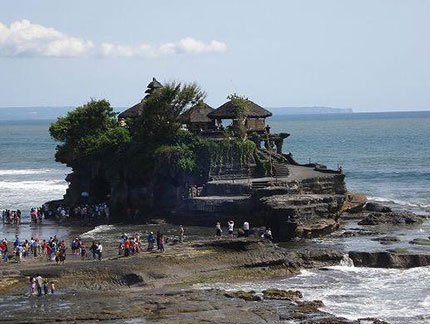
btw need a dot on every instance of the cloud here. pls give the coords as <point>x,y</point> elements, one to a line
<point>25,39</point>
<point>187,45</point>
<point>191,45</point>
<point>22,38</point>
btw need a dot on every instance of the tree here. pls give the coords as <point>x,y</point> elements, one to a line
<point>158,124</point>
<point>88,130</point>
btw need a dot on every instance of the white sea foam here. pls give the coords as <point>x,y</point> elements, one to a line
<point>23,171</point>
<point>97,230</point>
<point>399,202</point>
<point>41,185</point>
<point>397,296</point>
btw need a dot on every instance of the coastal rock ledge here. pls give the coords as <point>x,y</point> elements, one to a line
<point>389,260</point>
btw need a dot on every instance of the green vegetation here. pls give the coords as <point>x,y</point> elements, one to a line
<point>151,143</point>
<point>242,105</point>
<point>87,131</point>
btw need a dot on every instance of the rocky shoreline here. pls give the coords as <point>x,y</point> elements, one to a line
<point>173,287</point>
<point>163,288</point>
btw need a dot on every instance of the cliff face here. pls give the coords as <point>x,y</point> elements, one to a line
<point>306,203</point>
<point>301,201</point>
<point>131,196</point>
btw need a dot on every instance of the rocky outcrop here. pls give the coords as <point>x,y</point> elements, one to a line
<point>303,215</point>
<point>389,260</point>
<point>354,202</point>
<point>391,218</point>
<point>282,294</point>
<point>375,207</point>
<point>385,240</point>
<point>424,242</point>
<point>245,295</point>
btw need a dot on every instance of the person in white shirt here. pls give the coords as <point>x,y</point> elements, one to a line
<point>218,230</point>
<point>99,251</point>
<point>246,228</point>
<point>230,228</point>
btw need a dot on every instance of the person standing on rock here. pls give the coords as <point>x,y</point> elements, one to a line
<point>45,287</point>
<point>218,230</point>
<point>52,287</point>
<point>246,228</point>
<point>268,234</point>
<point>39,284</point>
<point>32,286</point>
<point>158,239</point>
<point>93,249</point>
<point>4,250</point>
<point>230,228</point>
<point>99,251</point>
<point>161,243</point>
<point>83,251</point>
<point>150,240</point>
<point>181,233</point>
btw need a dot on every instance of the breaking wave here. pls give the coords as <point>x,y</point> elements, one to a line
<point>43,185</point>
<point>399,202</point>
<point>97,230</point>
<point>23,172</point>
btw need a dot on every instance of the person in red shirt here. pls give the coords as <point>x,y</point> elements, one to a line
<point>48,251</point>
<point>127,247</point>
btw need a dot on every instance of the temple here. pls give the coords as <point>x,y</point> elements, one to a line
<point>269,188</point>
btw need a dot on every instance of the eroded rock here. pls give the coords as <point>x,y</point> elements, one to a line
<point>245,295</point>
<point>375,207</point>
<point>391,218</point>
<point>282,294</point>
<point>389,260</point>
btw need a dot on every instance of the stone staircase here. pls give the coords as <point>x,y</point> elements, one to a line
<point>256,185</point>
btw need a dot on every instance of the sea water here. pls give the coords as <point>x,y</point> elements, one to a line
<point>396,296</point>
<point>385,155</point>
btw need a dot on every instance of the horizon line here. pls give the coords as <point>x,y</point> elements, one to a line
<point>353,110</point>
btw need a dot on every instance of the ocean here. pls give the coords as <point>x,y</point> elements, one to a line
<point>385,155</point>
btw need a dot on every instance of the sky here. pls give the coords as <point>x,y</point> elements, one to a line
<point>369,55</point>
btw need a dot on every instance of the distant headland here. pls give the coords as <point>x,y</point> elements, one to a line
<point>315,110</point>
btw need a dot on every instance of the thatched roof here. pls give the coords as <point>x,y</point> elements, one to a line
<point>132,112</point>
<point>230,111</point>
<point>136,110</point>
<point>154,84</point>
<point>197,114</point>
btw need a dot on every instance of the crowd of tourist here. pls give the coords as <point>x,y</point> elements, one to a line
<point>40,286</point>
<point>132,244</point>
<point>243,231</point>
<point>14,216</point>
<point>91,212</point>
<point>11,216</point>
<point>52,249</point>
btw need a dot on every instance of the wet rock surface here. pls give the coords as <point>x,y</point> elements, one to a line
<point>389,260</point>
<point>385,240</point>
<point>425,242</point>
<point>282,294</point>
<point>394,218</point>
<point>375,207</point>
<point>159,287</point>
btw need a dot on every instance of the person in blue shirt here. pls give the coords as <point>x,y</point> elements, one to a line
<point>17,241</point>
<point>151,240</point>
